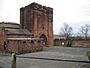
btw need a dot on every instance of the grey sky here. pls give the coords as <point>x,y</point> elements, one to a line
<point>73,12</point>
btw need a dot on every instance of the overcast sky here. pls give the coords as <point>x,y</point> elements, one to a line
<point>73,12</point>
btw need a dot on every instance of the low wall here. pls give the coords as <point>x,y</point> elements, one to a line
<point>74,43</point>
<point>24,46</point>
<point>81,43</point>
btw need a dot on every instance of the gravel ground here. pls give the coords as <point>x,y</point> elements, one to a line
<point>65,53</point>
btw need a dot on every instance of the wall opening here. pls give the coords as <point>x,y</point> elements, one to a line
<point>44,39</point>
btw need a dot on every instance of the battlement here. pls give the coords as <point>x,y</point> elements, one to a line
<point>38,7</point>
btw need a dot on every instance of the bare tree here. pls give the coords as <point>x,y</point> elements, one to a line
<point>66,31</point>
<point>84,30</point>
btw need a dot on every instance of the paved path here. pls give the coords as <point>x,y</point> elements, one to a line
<point>66,53</point>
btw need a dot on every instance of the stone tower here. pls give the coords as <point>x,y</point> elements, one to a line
<point>38,19</point>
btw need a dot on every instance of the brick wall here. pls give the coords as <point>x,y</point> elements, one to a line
<point>2,35</point>
<point>74,43</point>
<point>2,39</point>
<point>23,46</point>
<point>38,19</point>
<point>81,43</point>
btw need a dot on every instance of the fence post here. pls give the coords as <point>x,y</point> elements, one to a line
<point>13,60</point>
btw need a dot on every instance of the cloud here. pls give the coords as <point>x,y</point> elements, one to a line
<point>70,11</point>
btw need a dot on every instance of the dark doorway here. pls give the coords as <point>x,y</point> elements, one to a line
<point>44,39</point>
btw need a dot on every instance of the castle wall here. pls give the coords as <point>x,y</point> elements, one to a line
<point>38,19</point>
<point>73,43</point>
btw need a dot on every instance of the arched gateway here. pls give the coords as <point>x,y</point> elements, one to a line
<point>44,39</point>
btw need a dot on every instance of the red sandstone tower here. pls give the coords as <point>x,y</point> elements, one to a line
<point>38,20</point>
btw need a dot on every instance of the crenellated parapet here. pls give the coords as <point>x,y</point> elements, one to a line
<point>38,7</point>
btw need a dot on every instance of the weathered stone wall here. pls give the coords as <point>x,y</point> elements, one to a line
<point>23,46</point>
<point>18,46</point>
<point>81,43</point>
<point>2,39</point>
<point>74,43</point>
<point>38,19</point>
<point>2,35</point>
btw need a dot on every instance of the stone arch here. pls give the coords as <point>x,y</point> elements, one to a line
<point>44,39</point>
